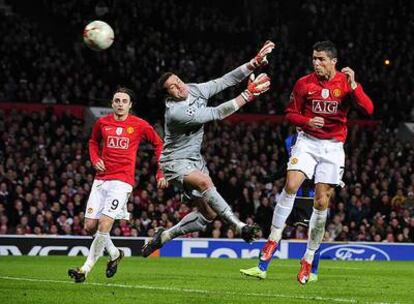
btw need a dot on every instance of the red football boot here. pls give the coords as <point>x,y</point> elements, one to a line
<point>268,250</point>
<point>304,273</point>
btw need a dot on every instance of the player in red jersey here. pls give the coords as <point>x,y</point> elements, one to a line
<point>120,134</point>
<point>318,106</point>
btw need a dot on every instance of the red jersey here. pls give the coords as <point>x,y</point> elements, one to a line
<point>121,140</point>
<point>329,99</point>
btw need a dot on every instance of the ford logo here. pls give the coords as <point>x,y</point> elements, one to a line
<point>354,253</point>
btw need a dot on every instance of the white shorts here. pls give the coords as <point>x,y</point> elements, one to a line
<point>109,198</point>
<point>323,159</point>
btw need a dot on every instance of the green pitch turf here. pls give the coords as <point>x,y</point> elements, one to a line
<point>167,280</point>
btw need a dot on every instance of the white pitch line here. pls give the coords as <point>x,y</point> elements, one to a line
<point>199,291</point>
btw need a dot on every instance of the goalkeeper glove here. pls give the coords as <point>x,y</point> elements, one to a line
<point>256,86</point>
<point>261,59</point>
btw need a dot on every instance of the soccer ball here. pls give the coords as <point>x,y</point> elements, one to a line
<point>98,35</point>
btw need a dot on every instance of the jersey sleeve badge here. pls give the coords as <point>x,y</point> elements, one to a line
<point>190,111</point>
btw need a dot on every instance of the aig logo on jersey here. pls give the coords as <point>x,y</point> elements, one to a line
<point>324,106</point>
<point>116,142</point>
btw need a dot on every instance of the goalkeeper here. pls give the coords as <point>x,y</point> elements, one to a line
<point>181,160</point>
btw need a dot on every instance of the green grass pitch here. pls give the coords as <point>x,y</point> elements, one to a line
<point>167,280</point>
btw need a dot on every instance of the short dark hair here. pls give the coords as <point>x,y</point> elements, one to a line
<point>326,46</point>
<point>125,90</point>
<point>162,80</point>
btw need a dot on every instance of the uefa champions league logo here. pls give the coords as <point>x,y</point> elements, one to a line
<point>355,253</point>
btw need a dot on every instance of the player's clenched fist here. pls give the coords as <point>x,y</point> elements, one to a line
<point>256,86</point>
<point>316,122</point>
<point>260,58</point>
<point>162,182</point>
<point>350,75</point>
<point>99,165</point>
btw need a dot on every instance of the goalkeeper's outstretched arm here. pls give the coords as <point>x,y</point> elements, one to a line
<point>212,87</point>
<point>197,116</point>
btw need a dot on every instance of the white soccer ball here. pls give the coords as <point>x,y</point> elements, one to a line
<point>98,35</point>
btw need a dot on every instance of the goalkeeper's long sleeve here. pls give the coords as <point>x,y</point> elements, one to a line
<point>212,87</point>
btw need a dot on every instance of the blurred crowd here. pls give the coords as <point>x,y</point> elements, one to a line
<point>46,176</point>
<point>44,60</point>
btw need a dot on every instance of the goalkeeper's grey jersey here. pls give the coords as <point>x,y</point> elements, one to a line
<point>184,120</point>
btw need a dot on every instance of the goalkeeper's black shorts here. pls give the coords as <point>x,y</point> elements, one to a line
<point>301,212</point>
